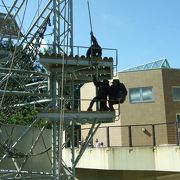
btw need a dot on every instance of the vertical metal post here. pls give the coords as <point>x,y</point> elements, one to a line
<point>97,74</point>
<point>54,26</point>
<point>52,86</point>
<point>177,133</point>
<point>71,28</point>
<point>54,152</point>
<point>78,138</point>
<point>107,137</point>
<point>154,135</point>
<point>130,135</point>
<point>55,128</point>
<point>72,149</point>
<point>72,94</point>
<point>91,143</point>
<point>58,30</point>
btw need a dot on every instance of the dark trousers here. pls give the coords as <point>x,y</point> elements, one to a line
<point>102,100</point>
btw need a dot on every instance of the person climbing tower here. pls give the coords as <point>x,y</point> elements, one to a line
<point>117,93</point>
<point>95,49</point>
<point>103,91</point>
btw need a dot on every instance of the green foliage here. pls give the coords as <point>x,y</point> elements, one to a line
<point>23,116</point>
<point>2,117</point>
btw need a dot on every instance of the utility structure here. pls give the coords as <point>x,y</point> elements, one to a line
<point>55,94</point>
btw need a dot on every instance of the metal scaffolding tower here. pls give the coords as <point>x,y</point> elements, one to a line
<point>50,89</point>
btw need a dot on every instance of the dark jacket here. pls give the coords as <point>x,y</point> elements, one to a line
<point>118,92</point>
<point>95,49</point>
<point>103,87</point>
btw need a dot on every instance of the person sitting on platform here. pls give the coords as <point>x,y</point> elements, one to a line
<point>117,93</point>
<point>94,50</point>
<point>103,91</point>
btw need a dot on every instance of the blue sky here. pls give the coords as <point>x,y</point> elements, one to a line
<point>141,30</point>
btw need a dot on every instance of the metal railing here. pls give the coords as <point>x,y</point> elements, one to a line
<point>161,134</point>
<point>80,52</point>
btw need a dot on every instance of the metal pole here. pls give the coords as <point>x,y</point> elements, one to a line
<point>154,135</point>
<point>72,149</point>
<point>55,131</point>
<point>54,152</point>
<point>130,136</point>
<point>71,23</point>
<point>177,134</point>
<point>97,88</point>
<point>107,136</point>
<point>54,26</point>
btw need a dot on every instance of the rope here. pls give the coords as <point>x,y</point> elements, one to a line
<point>89,15</point>
<point>61,123</point>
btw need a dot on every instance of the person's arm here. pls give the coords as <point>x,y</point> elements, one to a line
<point>93,39</point>
<point>96,82</point>
<point>124,89</point>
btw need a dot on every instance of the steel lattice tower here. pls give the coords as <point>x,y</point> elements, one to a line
<point>22,86</point>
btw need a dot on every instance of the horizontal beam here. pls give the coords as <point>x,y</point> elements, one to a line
<point>55,62</point>
<point>22,93</point>
<point>82,117</point>
<point>6,70</point>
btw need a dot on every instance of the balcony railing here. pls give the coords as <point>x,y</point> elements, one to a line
<point>161,134</point>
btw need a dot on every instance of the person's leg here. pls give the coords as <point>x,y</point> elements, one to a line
<point>88,53</point>
<point>111,102</point>
<point>99,53</point>
<point>92,103</point>
<point>103,104</point>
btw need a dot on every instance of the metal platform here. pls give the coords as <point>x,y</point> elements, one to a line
<point>77,69</point>
<point>82,68</point>
<point>83,117</point>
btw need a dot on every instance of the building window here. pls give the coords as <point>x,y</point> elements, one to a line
<point>176,93</point>
<point>142,94</point>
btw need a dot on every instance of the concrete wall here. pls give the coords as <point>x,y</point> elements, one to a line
<point>137,163</point>
<point>166,158</point>
<point>41,162</point>
<point>171,77</point>
<point>147,112</point>
<point>140,163</point>
<point>87,93</point>
<point>163,109</point>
